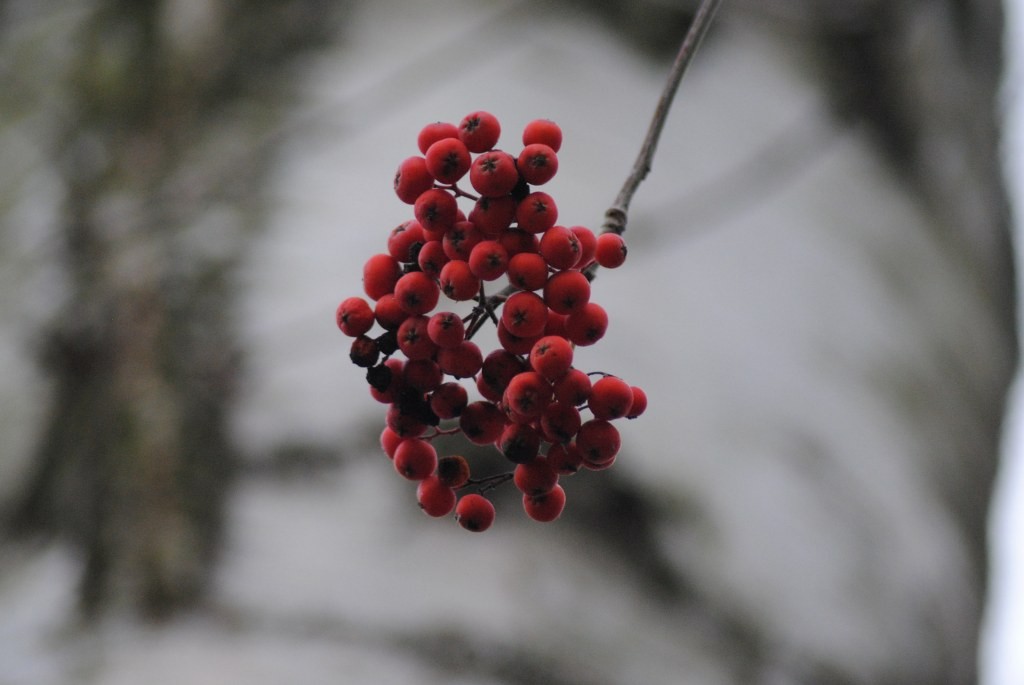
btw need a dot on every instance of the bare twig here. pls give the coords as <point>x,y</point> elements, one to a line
<point>615,217</point>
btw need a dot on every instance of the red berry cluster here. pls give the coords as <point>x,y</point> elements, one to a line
<point>532,394</point>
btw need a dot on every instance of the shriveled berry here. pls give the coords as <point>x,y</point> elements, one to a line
<point>474,512</point>
<point>453,470</point>
<point>364,352</point>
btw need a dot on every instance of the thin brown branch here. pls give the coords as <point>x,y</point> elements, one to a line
<point>615,217</point>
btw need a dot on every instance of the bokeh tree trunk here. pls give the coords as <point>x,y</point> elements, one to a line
<point>162,151</point>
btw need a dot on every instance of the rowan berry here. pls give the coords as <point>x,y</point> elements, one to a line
<point>435,497</point>
<point>458,281</point>
<point>354,316</point>
<point>404,424</point>
<point>446,329</point>
<point>448,400</point>
<point>494,174</point>
<point>528,394</point>
<point>431,133</point>
<point>461,361</point>
<point>417,292</point>
<point>610,398</point>
<point>560,422</point>
<point>423,375</point>
<point>560,247</point>
<point>413,340</point>
<point>481,422</point>
<point>480,131</point>
<point>364,352</point>
<point>537,163</point>
<point>543,131</point>
<point>567,292</point>
<point>436,210</point>
<point>573,388</point>
<point>588,325</point>
<point>415,459</point>
<point>499,367</point>
<point>474,512</point>
<point>389,313</point>
<point>536,212</point>
<point>488,260</point>
<point>639,403</point>
<point>588,245</point>
<point>380,273</point>
<point>535,477</point>
<point>448,160</point>
<point>405,240</point>
<point>389,441</point>
<point>598,441</point>
<point>524,314</point>
<point>564,459</point>
<point>556,324</point>
<point>431,258</point>
<point>453,470</point>
<point>513,343</point>
<point>517,241</point>
<point>460,240</point>
<point>519,442</point>
<point>388,382</point>
<point>546,507</point>
<point>611,250</point>
<point>412,179</point>
<point>551,356</point>
<point>492,215</point>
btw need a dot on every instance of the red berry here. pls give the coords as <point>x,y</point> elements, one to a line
<point>499,367</point>
<point>393,370</point>
<point>565,459</point>
<point>560,247</point>
<point>448,400</point>
<point>492,215</point>
<point>518,242</point>
<point>560,422</point>
<point>551,356</point>
<point>431,133</point>
<point>567,292</point>
<point>598,441</point>
<point>431,258</point>
<point>417,292</point>
<point>488,260</point>
<point>354,317</point>
<point>380,273</point>
<point>458,281</point>
<point>460,240</point>
<point>405,425</point>
<point>480,131</point>
<point>413,340</point>
<point>435,497</point>
<point>474,512</point>
<point>588,245</point>
<point>573,388</point>
<point>389,441</point>
<point>405,240</point>
<point>388,312</point>
<point>422,375</point>
<point>528,394</point>
<point>412,179</point>
<point>611,250</point>
<point>519,442</point>
<point>537,163</point>
<point>494,174</point>
<point>436,210</point>
<point>535,477</point>
<point>543,131</point>
<point>639,403</point>
<point>536,212</point>
<point>482,422</point>
<point>446,329</point>
<point>415,459</point>
<point>588,325</point>
<point>448,160</point>
<point>513,343</point>
<point>524,314</point>
<point>547,507</point>
<point>610,398</point>
<point>461,361</point>
<point>527,271</point>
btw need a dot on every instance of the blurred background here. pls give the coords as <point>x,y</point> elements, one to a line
<point>819,302</point>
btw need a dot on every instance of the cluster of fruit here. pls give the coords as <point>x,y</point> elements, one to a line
<point>532,394</point>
